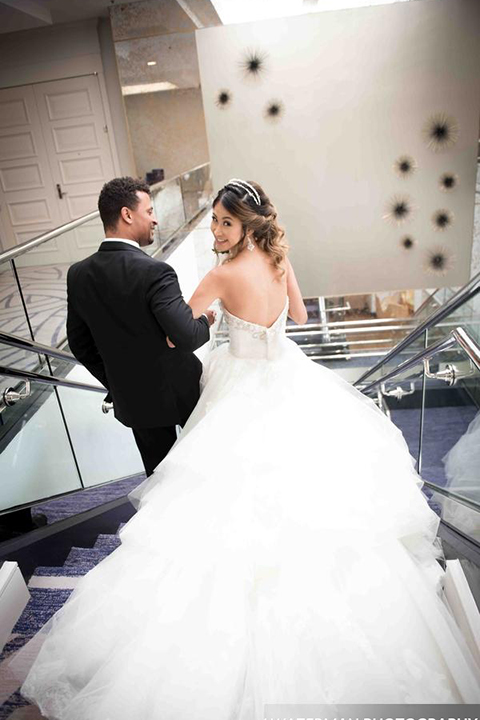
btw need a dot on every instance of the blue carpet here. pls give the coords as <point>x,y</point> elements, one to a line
<point>443,427</point>
<point>45,602</point>
<point>78,502</point>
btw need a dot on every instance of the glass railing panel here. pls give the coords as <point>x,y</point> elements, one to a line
<point>169,211</point>
<point>105,449</point>
<point>465,518</point>
<point>36,458</point>
<point>13,321</point>
<point>196,190</point>
<point>401,400</point>
<point>450,456</point>
<point>406,354</point>
<point>467,316</point>
<point>42,272</point>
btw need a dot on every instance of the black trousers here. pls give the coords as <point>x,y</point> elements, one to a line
<point>154,444</point>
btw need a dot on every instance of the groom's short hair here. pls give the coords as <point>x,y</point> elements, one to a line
<point>118,193</point>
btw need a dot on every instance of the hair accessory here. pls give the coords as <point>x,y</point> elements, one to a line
<point>249,189</point>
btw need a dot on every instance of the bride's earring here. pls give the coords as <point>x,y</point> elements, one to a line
<point>250,245</point>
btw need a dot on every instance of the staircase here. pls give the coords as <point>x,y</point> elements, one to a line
<point>49,587</point>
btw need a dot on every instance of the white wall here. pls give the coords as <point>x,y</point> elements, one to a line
<point>358,86</point>
<point>70,50</point>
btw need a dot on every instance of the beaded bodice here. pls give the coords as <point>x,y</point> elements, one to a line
<point>249,340</point>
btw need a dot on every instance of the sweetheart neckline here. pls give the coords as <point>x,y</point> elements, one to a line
<point>263,327</point>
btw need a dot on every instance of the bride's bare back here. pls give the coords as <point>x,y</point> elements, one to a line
<point>251,288</point>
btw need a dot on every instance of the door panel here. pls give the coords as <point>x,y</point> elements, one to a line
<point>77,141</point>
<point>28,205</point>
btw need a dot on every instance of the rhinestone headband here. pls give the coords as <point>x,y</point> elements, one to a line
<point>249,189</point>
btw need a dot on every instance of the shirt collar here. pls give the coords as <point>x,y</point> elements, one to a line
<point>134,243</point>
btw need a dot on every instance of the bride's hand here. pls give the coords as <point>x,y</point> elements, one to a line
<point>169,343</point>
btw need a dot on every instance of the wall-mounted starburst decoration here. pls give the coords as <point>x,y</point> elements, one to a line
<point>405,166</point>
<point>407,242</point>
<point>253,64</point>
<point>274,110</point>
<point>223,99</point>
<point>448,182</point>
<point>440,132</point>
<point>442,220</point>
<point>439,261</point>
<point>399,210</point>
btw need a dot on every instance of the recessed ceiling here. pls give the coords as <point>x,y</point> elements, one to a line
<point>16,15</point>
<point>231,12</point>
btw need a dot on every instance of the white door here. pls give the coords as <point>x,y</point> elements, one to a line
<point>76,137</point>
<point>28,204</point>
<point>55,156</point>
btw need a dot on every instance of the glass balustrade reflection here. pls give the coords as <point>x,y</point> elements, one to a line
<point>13,321</point>
<point>467,316</point>
<point>105,449</point>
<point>36,458</point>
<point>406,354</point>
<point>196,190</point>
<point>451,426</point>
<point>169,211</point>
<point>401,399</point>
<point>42,273</point>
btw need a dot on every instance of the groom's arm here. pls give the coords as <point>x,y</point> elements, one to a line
<point>172,313</point>
<point>80,338</point>
<point>83,346</point>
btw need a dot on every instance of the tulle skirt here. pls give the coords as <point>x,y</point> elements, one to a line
<point>283,552</point>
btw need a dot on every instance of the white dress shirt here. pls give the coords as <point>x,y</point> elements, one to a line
<point>129,242</point>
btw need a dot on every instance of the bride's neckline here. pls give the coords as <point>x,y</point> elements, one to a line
<point>257,325</point>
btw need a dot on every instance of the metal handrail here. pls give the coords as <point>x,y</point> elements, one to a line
<point>38,348</point>
<point>40,239</point>
<point>462,296</point>
<point>47,379</point>
<point>61,229</point>
<point>457,336</point>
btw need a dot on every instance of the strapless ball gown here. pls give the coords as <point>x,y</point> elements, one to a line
<point>283,552</point>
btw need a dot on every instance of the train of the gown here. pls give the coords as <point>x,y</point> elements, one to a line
<point>282,552</point>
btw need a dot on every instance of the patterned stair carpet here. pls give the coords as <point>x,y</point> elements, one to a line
<point>79,502</point>
<point>49,588</point>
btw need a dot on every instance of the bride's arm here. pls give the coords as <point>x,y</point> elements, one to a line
<point>210,289</point>
<point>297,310</point>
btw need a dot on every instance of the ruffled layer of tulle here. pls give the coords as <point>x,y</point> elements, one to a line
<point>282,552</point>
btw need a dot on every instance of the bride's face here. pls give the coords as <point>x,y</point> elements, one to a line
<point>227,230</point>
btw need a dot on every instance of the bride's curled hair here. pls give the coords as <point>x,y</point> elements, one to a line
<point>258,219</point>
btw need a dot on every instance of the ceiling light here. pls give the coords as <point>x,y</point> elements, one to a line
<point>152,62</point>
<point>148,88</point>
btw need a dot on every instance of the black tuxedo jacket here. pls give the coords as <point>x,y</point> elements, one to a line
<point>121,306</point>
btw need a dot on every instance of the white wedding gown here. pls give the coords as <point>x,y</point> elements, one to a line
<point>282,553</point>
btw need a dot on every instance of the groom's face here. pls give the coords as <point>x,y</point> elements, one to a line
<point>143,220</point>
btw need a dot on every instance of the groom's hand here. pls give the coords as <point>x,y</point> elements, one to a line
<point>211,316</point>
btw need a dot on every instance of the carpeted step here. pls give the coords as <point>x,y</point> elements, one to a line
<point>107,542</point>
<point>86,557</point>
<point>40,608</point>
<point>66,571</point>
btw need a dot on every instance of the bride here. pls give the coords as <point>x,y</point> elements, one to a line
<point>281,553</point>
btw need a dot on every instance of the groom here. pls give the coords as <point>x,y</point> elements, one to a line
<point>122,304</point>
